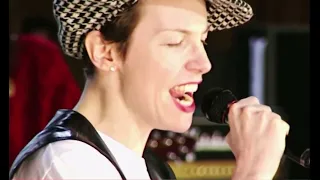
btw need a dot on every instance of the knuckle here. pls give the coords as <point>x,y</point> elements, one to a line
<point>278,123</point>
<point>263,115</point>
<point>275,116</point>
<point>284,125</point>
<point>287,126</point>
<point>254,100</point>
<point>247,110</point>
<point>233,108</point>
<point>267,108</point>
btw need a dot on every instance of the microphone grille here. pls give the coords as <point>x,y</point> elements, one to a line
<point>215,104</point>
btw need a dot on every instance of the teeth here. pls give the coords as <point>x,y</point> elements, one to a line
<point>186,101</point>
<point>191,88</point>
<point>179,89</point>
<point>186,88</point>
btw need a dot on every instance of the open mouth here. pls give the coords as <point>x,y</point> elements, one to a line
<point>183,96</point>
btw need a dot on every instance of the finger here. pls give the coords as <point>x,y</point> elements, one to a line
<point>280,123</point>
<point>235,108</point>
<point>256,108</point>
<point>248,101</point>
<point>247,111</point>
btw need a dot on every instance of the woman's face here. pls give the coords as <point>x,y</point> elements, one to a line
<point>165,63</point>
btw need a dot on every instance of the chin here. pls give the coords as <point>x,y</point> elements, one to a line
<point>174,117</point>
<point>179,126</point>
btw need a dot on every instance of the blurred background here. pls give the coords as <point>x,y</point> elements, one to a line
<point>267,57</point>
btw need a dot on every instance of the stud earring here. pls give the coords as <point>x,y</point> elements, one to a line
<point>112,68</point>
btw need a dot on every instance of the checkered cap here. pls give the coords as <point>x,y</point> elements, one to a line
<point>77,17</point>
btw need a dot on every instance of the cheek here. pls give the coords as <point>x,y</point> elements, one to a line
<point>144,74</point>
<point>155,66</point>
<point>173,59</point>
<point>167,66</point>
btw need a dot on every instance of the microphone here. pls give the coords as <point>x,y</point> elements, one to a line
<point>215,107</point>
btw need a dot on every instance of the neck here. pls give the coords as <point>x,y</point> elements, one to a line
<point>107,112</point>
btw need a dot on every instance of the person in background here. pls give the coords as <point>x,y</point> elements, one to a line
<point>39,84</point>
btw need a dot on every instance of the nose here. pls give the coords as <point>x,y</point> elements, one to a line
<point>199,63</point>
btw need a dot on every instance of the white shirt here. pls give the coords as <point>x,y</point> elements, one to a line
<point>70,159</point>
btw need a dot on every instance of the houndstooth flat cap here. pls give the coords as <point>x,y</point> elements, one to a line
<point>77,17</point>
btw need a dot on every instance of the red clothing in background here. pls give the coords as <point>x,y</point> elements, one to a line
<point>43,84</point>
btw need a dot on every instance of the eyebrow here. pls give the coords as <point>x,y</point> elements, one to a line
<point>184,30</point>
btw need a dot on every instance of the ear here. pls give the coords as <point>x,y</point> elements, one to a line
<point>100,51</point>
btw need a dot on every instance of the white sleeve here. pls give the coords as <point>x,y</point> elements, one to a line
<point>90,164</point>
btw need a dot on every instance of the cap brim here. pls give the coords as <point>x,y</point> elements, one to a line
<point>226,14</point>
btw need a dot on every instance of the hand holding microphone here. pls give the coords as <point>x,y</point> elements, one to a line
<point>257,135</point>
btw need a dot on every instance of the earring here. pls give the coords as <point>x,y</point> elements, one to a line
<point>112,68</point>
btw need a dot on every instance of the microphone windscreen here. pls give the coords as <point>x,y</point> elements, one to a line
<point>215,104</point>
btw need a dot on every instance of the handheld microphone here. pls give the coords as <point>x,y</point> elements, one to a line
<point>215,107</point>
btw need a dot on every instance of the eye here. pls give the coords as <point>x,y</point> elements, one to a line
<point>174,44</point>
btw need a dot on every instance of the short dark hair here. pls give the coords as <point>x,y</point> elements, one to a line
<point>119,31</point>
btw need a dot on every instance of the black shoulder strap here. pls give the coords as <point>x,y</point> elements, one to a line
<point>158,169</point>
<point>70,125</point>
